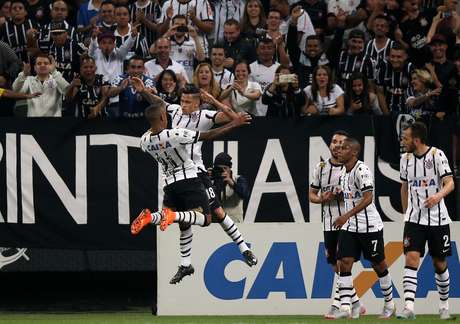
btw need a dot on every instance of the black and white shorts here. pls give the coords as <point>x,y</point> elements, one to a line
<point>331,239</point>
<point>186,195</point>
<point>438,237</point>
<point>352,244</point>
<point>214,201</point>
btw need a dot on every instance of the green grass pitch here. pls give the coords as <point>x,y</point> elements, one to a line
<point>146,317</point>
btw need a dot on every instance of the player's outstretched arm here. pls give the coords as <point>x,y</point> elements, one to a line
<point>243,119</point>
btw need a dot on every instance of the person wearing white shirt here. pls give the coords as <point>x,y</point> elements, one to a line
<point>263,70</point>
<point>109,59</point>
<point>163,61</point>
<point>225,10</point>
<point>243,94</point>
<point>223,76</point>
<point>323,96</point>
<point>48,82</point>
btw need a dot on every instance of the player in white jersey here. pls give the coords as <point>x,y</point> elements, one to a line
<point>189,116</point>
<point>426,179</point>
<point>185,200</point>
<point>326,178</point>
<point>361,229</point>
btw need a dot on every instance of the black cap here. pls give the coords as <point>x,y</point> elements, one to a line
<point>357,33</point>
<point>438,38</point>
<point>223,159</point>
<point>58,27</point>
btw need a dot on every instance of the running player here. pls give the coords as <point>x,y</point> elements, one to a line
<point>427,178</point>
<point>326,176</point>
<point>361,229</point>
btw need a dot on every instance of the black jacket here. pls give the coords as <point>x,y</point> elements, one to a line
<point>284,104</point>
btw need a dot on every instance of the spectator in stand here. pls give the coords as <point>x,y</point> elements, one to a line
<point>168,87</point>
<point>198,12</point>
<point>359,100</point>
<point>8,98</point>
<point>109,59</point>
<point>273,32</point>
<point>123,32</point>
<point>163,61</point>
<point>146,13</point>
<point>324,97</point>
<point>88,91</point>
<point>354,59</point>
<point>59,14</point>
<point>317,12</point>
<point>9,62</point>
<point>203,78</point>
<point>65,51</point>
<point>456,139</point>
<point>39,11</point>
<point>107,21</point>
<point>413,31</point>
<point>253,19</point>
<point>444,73</point>
<point>421,96</point>
<point>243,94</point>
<point>14,31</point>
<point>378,48</point>
<point>392,81</point>
<point>225,10</point>
<point>310,59</point>
<point>283,96</point>
<point>236,47</point>
<point>131,103</point>
<point>223,76</point>
<point>446,22</point>
<point>263,69</point>
<point>48,82</point>
<point>5,12</point>
<point>186,48</point>
<point>88,15</point>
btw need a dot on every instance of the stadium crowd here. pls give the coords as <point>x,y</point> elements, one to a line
<point>273,58</point>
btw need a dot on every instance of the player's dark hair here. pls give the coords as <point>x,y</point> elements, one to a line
<point>266,41</point>
<point>398,47</point>
<point>190,88</point>
<point>154,111</point>
<point>245,63</point>
<point>341,132</point>
<point>314,37</point>
<point>354,143</point>
<point>107,2</point>
<point>418,130</point>
<point>42,55</point>
<point>179,17</point>
<point>233,22</point>
<point>218,45</point>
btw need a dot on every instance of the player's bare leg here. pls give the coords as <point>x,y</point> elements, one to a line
<point>386,286</point>
<point>233,232</point>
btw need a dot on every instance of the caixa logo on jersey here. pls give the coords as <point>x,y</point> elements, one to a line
<point>281,271</point>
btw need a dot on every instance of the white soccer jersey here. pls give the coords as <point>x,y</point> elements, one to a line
<point>224,78</point>
<point>200,120</point>
<point>169,148</point>
<point>184,53</point>
<point>225,10</point>
<point>153,69</point>
<point>264,76</point>
<point>424,176</point>
<point>354,184</point>
<point>326,177</point>
<point>203,12</point>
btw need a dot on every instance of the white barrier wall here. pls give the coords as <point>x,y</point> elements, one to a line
<point>292,276</point>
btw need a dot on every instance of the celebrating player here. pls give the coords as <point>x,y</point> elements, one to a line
<point>326,176</point>
<point>183,191</point>
<point>427,178</point>
<point>361,229</point>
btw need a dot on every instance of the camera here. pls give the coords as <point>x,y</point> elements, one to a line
<point>261,32</point>
<point>216,172</point>
<point>287,78</point>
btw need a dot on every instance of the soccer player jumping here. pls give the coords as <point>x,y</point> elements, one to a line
<point>427,178</point>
